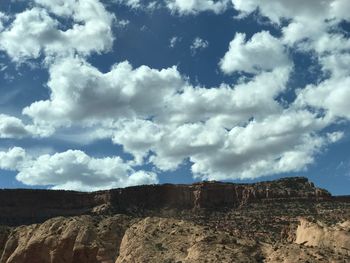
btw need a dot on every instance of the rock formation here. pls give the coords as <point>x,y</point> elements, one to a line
<point>318,234</point>
<point>288,220</point>
<point>78,239</point>
<point>35,206</point>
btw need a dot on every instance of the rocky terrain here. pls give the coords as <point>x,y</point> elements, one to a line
<point>288,220</point>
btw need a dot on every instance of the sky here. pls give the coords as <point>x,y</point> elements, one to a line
<point>100,94</point>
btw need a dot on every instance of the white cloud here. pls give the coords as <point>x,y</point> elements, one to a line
<point>277,144</point>
<point>74,170</point>
<point>261,52</point>
<point>122,92</point>
<point>280,9</point>
<point>186,141</point>
<point>332,95</point>
<point>146,93</point>
<point>157,117</point>
<point>199,44</point>
<point>147,5</point>
<point>12,159</point>
<point>130,3</point>
<point>309,20</point>
<point>225,132</point>
<point>58,7</point>
<point>122,23</point>
<point>337,64</point>
<point>280,143</point>
<point>13,128</point>
<point>313,27</point>
<point>229,105</point>
<point>185,7</point>
<point>173,41</point>
<point>31,30</point>
<point>138,137</point>
<point>35,31</point>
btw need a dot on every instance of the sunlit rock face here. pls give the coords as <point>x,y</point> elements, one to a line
<point>287,220</point>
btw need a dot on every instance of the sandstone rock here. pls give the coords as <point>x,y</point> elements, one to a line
<point>294,253</point>
<point>203,222</point>
<point>336,237</point>
<point>169,240</point>
<point>35,206</point>
<point>79,239</point>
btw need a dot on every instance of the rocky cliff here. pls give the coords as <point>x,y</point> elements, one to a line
<point>287,220</point>
<point>34,206</point>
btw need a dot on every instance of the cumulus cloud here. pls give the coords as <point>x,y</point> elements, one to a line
<point>313,28</point>
<point>225,132</point>
<point>12,159</point>
<point>122,92</point>
<point>11,127</point>
<point>138,137</point>
<point>280,9</point>
<point>185,7</point>
<point>261,52</point>
<point>35,31</point>
<point>332,95</point>
<point>336,64</point>
<point>309,20</point>
<point>157,116</point>
<point>130,3</point>
<point>73,170</point>
<point>278,144</point>
<point>283,142</point>
<point>14,128</point>
<point>229,105</point>
<point>147,93</point>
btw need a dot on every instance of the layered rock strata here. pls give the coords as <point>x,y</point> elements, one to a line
<point>35,206</point>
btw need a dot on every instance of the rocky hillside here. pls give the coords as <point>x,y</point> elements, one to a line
<point>288,220</point>
<point>35,206</point>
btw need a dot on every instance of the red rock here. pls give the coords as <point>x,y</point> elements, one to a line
<point>34,206</point>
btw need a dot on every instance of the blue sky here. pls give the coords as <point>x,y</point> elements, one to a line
<point>103,94</point>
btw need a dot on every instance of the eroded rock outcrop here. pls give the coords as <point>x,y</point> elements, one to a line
<point>203,222</point>
<point>81,239</point>
<point>35,206</point>
<point>318,234</point>
<point>117,239</point>
<point>170,240</point>
<point>314,242</point>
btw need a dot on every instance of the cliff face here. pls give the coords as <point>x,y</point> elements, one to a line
<point>118,239</point>
<point>203,222</point>
<point>33,206</point>
<point>214,194</point>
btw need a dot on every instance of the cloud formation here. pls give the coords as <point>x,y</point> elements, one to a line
<point>36,31</point>
<point>12,159</point>
<point>73,170</point>
<point>261,52</point>
<point>186,7</point>
<point>14,128</point>
<point>314,27</point>
<point>225,132</point>
<point>122,92</point>
<point>244,129</point>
